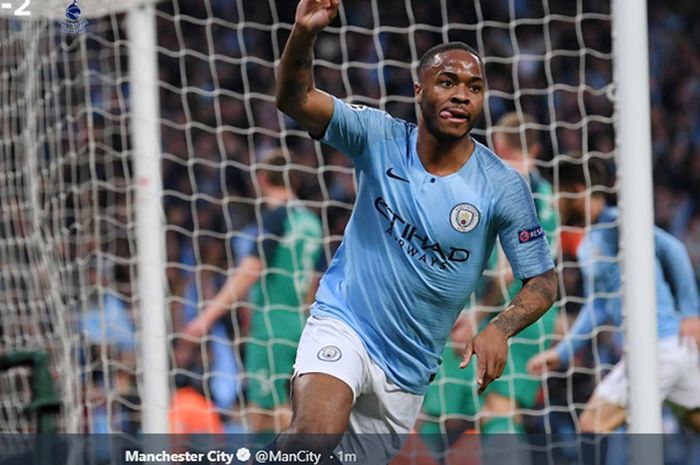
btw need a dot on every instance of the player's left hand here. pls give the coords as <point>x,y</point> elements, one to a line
<point>690,330</point>
<point>491,349</point>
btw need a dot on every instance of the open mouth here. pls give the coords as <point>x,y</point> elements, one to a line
<point>454,116</point>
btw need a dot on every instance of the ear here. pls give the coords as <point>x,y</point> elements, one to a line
<point>261,177</point>
<point>499,146</point>
<point>580,187</point>
<point>418,91</point>
<point>535,150</point>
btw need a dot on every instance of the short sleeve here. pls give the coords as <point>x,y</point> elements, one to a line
<point>273,223</point>
<point>523,238</point>
<point>244,243</point>
<point>352,126</point>
<point>544,206</point>
<point>678,272</point>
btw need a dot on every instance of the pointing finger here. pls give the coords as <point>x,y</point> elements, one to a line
<point>480,369</point>
<point>467,357</point>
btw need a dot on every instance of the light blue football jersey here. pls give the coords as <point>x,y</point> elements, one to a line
<point>416,244</point>
<point>676,289</point>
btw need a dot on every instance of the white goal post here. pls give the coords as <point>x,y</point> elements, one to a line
<point>637,199</point>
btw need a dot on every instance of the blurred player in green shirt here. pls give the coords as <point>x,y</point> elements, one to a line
<point>275,273</point>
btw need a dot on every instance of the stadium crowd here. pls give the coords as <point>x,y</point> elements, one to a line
<point>219,119</point>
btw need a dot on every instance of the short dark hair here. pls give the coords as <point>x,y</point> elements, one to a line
<point>273,164</point>
<point>592,172</point>
<point>427,56</point>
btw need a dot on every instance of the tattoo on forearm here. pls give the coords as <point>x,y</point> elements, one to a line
<point>512,321</point>
<point>535,298</point>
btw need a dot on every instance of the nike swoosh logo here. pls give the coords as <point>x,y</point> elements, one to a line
<point>390,173</point>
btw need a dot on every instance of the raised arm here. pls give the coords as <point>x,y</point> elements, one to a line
<point>296,94</point>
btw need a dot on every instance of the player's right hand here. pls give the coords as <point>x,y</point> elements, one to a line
<point>549,359</point>
<point>314,15</point>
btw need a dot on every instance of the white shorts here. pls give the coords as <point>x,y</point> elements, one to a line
<point>679,377</point>
<point>382,412</point>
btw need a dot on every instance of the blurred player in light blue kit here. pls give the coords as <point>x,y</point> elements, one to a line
<point>677,305</point>
<point>431,202</point>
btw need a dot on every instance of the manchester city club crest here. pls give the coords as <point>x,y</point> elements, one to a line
<point>464,217</point>
<point>330,354</point>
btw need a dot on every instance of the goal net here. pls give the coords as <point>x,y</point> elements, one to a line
<point>68,246</point>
